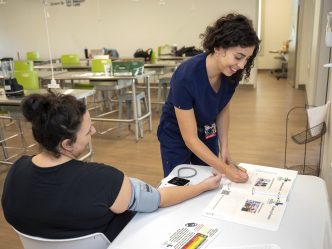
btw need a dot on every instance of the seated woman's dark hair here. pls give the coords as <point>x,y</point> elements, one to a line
<point>54,118</point>
<point>232,30</point>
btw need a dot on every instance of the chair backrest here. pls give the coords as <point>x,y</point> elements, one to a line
<point>33,55</point>
<point>104,56</point>
<point>95,52</point>
<point>97,65</point>
<point>70,59</point>
<point>23,65</point>
<point>95,241</point>
<point>165,50</point>
<point>28,79</point>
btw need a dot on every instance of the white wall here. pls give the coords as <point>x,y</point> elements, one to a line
<point>326,173</point>
<point>305,36</point>
<point>122,24</point>
<point>293,41</point>
<point>276,18</point>
<point>313,53</point>
<point>311,84</point>
<point>321,79</point>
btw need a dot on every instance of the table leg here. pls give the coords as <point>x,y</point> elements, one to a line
<point>147,83</point>
<point>3,144</point>
<point>134,105</point>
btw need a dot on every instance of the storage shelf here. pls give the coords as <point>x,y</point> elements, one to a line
<point>310,134</point>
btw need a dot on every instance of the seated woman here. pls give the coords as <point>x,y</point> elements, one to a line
<point>54,195</point>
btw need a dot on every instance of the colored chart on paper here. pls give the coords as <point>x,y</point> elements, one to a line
<point>195,242</point>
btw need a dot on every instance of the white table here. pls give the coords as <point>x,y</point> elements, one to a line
<point>173,58</point>
<point>16,101</point>
<point>84,65</point>
<point>306,223</point>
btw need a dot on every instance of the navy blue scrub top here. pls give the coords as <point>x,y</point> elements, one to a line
<point>191,89</point>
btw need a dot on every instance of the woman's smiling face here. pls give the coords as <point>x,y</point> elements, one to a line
<point>232,59</point>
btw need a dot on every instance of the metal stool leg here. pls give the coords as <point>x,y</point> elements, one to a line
<point>3,144</point>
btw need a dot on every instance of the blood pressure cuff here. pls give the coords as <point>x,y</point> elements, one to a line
<point>144,197</point>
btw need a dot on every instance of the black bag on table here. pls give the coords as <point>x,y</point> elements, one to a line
<point>188,51</point>
<point>140,53</point>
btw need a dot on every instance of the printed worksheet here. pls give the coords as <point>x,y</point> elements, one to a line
<point>261,202</point>
<point>192,235</point>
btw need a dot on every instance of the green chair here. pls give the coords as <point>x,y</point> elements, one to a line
<point>23,66</point>
<point>74,60</point>
<point>33,55</point>
<point>28,79</point>
<point>70,60</point>
<point>165,50</point>
<point>98,65</point>
<point>102,87</point>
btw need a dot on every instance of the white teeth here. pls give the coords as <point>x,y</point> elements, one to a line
<point>233,69</point>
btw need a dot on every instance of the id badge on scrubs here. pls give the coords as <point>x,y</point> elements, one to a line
<point>210,130</point>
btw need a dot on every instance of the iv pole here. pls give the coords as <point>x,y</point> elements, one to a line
<point>53,83</point>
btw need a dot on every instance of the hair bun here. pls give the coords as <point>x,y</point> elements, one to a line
<point>34,107</point>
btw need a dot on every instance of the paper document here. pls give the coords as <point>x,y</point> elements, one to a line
<point>191,236</point>
<point>317,115</point>
<point>260,202</point>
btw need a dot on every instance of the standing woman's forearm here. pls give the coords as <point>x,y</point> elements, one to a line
<point>223,128</point>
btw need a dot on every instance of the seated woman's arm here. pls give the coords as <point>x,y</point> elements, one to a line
<point>174,195</point>
<point>121,203</point>
<point>136,195</point>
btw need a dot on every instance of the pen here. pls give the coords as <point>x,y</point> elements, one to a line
<point>236,166</point>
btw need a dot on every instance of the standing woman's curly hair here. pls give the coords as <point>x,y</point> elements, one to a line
<point>232,30</point>
<point>54,118</point>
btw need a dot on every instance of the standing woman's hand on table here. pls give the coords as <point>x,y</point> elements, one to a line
<point>236,173</point>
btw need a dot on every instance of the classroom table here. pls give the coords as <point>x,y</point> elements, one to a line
<point>173,58</point>
<point>8,102</point>
<point>162,71</point>
<point>161,67</point>
<point>115,83</point>
<point>42,74</point>
<point>306,223</point>
<point>84,65</point>
<point>45,61</point>
<point>12,106</point>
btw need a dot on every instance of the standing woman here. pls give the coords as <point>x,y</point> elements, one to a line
<point>195,118</point>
